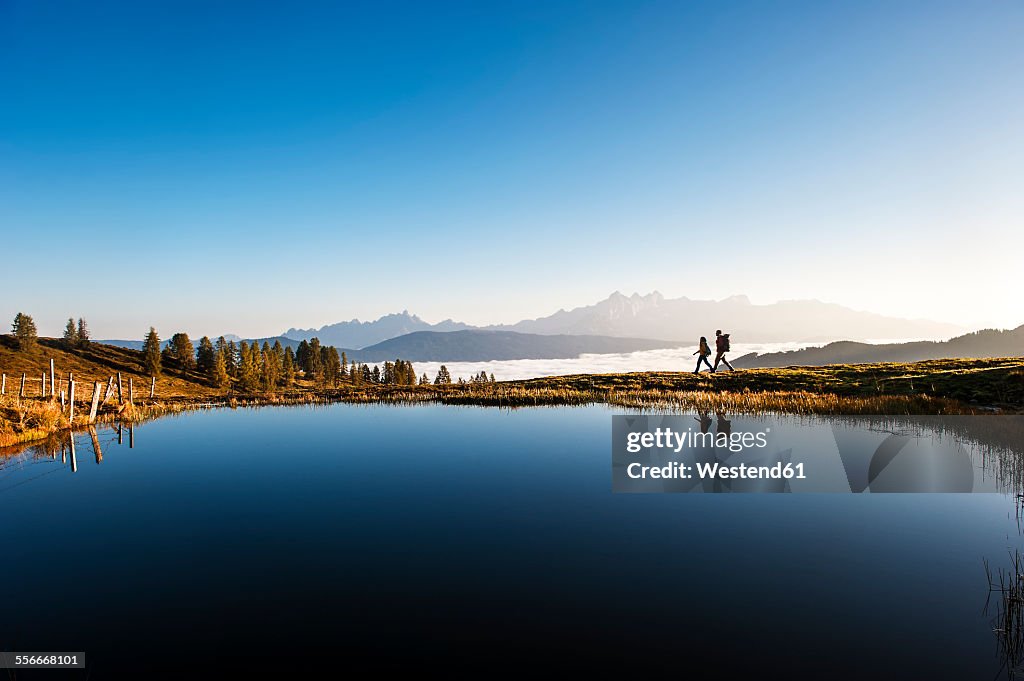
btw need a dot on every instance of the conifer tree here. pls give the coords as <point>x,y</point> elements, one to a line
<point>24,329</point>
<point>219,377</point>
<point>271,367</point>
<point>288,368</point>
<point>332,366</point>
<point>424,379</point>
<point>182,351</point>
<point>302,356</point>
<point>70,339</point>
<point>206,357</point>
<point>376,373</point>
<point>151,353</point>
<point>83,333</point>
<point>248,367</point>
<point>231,359</point>
<point>314,364</point>
<point>443,377</point>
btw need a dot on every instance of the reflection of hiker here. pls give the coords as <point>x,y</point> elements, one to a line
<point>704,351</point>
<point>724,424</point>
<point>705,421</point>
<point>722,346</point>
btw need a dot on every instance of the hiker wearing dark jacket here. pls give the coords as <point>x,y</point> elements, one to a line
<point>722,346</point>
<point>704,351</point>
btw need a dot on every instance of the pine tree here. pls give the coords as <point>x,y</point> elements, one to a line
<point>376,373</point>
<point>271,367</point>
<point>424,379</point>
<point>332,366</point>
<point>302,356</point>
<point>288,368</point>
<point>219,375</point>
<point>344,366</point>
<point>314,364</point>
<point>248,368</point>
<point>492,377</point>
<point>231,359</point>
<point>83,333</point>
<point>151,353</point>
<point>183,352</point>
<point>70,334</point>
<point>24,329</point>
<point>443,377</point>
<point>206,357</point>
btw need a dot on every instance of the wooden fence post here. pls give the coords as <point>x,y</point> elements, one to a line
<point>120,395</point>
<point>110,389</point>
<point>3,384</point>
<point>131,391</point>
<point>95,443</point>
<point>95,401</point>
<point>71,403</point>
<point>22,393</point>
<point>42,386</point>
<point>152,388</point>
<point>53,381</point>
<point>62,399</point>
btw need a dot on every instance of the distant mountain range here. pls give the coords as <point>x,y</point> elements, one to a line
<point>483,345</point>
<point>620,324</point>
<point>357,334</point>
<point>654,316</point>
<point>980,344</point>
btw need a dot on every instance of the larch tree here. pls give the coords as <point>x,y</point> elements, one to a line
<point>24,329</point>
<point>183,351</point>
<point>151,353</point>
<point>70,339</point>
<point>205,356</point>
<point>83,333</point>
<point>220,377</point>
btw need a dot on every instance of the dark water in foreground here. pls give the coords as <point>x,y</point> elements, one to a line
<point>472,541</point>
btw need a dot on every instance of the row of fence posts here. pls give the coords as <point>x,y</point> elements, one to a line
<point>68,401</point>
<point>68,447</point>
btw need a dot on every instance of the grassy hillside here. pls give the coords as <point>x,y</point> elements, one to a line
<point>989,343</point>
<point>95,362</point>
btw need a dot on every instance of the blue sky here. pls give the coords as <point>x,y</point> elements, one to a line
<point>249,167</point>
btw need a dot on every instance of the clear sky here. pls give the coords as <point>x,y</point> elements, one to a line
<point>218,167</point>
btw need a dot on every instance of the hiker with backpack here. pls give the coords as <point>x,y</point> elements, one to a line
<point>704,351</point>
<point>722,346</point>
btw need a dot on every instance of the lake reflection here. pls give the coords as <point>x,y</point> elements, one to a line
<point>475,541</point>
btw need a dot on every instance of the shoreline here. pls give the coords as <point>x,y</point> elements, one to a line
<point>943,387</point>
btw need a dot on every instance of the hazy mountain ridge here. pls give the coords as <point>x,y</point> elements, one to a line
<point>654,316</point>
<point>357,334</point>
<point>983,344</point>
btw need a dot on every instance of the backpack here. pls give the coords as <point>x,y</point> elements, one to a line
<point>725,343</point>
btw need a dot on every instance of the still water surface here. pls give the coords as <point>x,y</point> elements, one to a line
<point>472,540</point>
